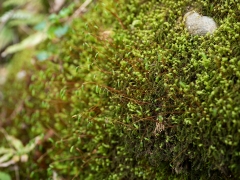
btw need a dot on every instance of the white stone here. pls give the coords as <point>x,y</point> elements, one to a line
<point>199,25</point>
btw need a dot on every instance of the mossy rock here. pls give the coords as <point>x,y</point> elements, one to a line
<point>133,95</point>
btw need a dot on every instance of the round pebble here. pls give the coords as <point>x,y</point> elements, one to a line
<point>199,25</point>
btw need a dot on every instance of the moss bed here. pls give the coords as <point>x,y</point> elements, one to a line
<point>128,93</point>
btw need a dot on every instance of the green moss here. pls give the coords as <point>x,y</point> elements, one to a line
<point>128,93</point>
<point>189,82</point>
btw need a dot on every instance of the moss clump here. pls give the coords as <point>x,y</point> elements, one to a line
<point>178,93</point>
<point>61,99</point>
<point>132,95</point>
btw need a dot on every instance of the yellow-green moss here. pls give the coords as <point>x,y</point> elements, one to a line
<point>128,93</point>
<point>178,93</point>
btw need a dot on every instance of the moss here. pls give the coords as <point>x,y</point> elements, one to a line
<point>132,95</point>
<point>178,92</point>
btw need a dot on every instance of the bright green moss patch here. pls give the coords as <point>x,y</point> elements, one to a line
<point>178,93</point>
<point>128,93</point>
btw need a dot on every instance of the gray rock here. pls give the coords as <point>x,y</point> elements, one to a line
<point>199,25</point>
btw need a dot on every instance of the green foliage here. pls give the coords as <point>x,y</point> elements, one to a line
<point>132,95</point>
<point>17,151</point>
<point>25,23</point>
<point>15,18</point>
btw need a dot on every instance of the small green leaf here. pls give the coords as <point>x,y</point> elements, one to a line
<point>32,144</point>
<point>4,176</point>
<point>71,149</point>
<point>41,26</point>
<point>30,41</point>
<point>6,36</point>
<point>60,31</point>
<point>16,143</point>
<point>5,157</point>
<point>5,150</point>
<point>136,126</point>
<point>42,56</point>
